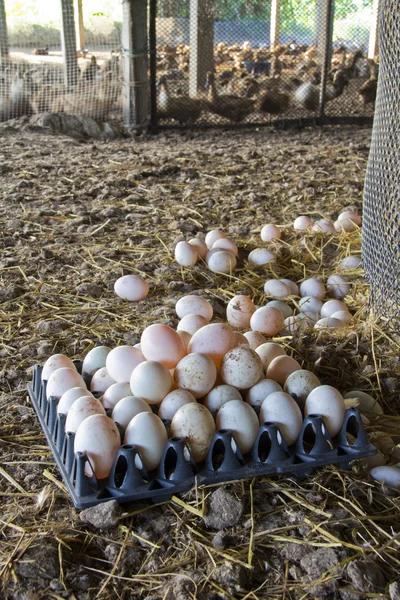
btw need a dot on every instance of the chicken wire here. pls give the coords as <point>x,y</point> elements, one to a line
<point>381,213</point>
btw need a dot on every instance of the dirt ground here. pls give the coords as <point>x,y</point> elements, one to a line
<point>77,215</point>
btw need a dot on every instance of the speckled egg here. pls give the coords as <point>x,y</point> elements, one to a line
<point>239,311</point>
<point>195,373</point>
<point>241,368</point>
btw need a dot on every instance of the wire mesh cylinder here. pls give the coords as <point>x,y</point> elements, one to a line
<point>381,214</point>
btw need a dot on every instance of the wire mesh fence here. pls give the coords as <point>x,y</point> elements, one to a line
<point>216,61</point>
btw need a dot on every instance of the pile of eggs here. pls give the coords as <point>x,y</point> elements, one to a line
<point>194,380</point>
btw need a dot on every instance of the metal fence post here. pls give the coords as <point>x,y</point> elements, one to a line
<point>275,24</point>
<point>201,56</point>
<point>373,48</point>
<point>326,34</point>
<point>68,43</point>
<point>4,48</point>
<point>134,69</point>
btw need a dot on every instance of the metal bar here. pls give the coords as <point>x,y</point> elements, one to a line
<point>275,24</point>
<point>4,47</point>
<point>68,43</point>
<point>80,37</point>
<point>153,65</point>
<point>327,27</point>
<point>373,47</point>
<point>201,53</point>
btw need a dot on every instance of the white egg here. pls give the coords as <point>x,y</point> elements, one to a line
<point>185,254</point>
<point>328,402</point>
<point>337,286</point>
<point>310,318</point>
<point>195,424</point>
<point>82,409</point>
<point>312,287</point>
<point>239,311</point>
<point>127,408</point>
<point>194,305</point>
<point>268,320</point>
<point>147,432</point>
<point>257,394</point>
<point>281,367</point>
<point>172,402</point>
<point>294,288</point>
<point>268,351</point>
<point>240,339</point>
<point>121,361</point>
<point>101,381</point>
<point>367,402</point>
<point>99,437</point>
<point>301,384</point>
<point>95,359</point>
<point>303,223</point>
<point>328,323</point>
<point>151,381</point>
<point>261,256</point>
<point>226,244</point>
<point>69,397</point>
<point>281,409</point>
<point>115,393</point>
<point>221,262</point>
<point>241,420</point>
<point>57,361</point>
<point>255,339</point>
<point>389,476</point>
<point>192,323</point>
<point>276,289</point>
<point>219,396</point>
<point>350,262</point>
<point>185,337</point>
<point>310,304</point>
<point>62,380</point>
<point>196,373</point>
<point>342,315</point>
<point>284,308</point>
<point>348,221</point>
<point>241,368</point>
<point>331,307</point>
<point>270,232</point>
<point>323,226</point>
<point>214,235</point>
<point>131,287</point>
<point>199,246</point>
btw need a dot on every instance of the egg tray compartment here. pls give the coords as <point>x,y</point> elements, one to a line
<point>128,480</point>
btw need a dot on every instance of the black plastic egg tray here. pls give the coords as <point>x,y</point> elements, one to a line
<point>129,481</point>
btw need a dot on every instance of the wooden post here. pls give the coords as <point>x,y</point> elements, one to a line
<point>201,54</point>
<point>68,44</point>
<point>275,24</point>
<point>373,48</point>
<point>324,35</point>
<point>4,48</point>
<point>326,29</point>
<point>135,99</point>
<point>153,64</point>
<point>80,33</point>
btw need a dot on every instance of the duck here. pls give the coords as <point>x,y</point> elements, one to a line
<point>273,102</point>
<point>367,91</point>
<point>307,94</point>
<point>234,108</point>
<point>183,109</point>
<point>90,71</point>
<point>41,51</point>
<point>18,102</point>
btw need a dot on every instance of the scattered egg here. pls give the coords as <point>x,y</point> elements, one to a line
<point>101,381</point>
<point>196,373</point>
<point>131,287</point>
<point>257,393</point>
<point>95,359</point>
<point>241,339</point>
<point>367,402</point>
<point>69,397</point>
<point>276,289</point>
<point>261,256</point>
<point>281,367</point>
<point>121,361</point>
<point>301,384</point>
<point>270,232</point>
<point>82,409</point>
<point>255,339</point>
<point>324,226</point>
<point>303,223</point>
<point>195,424</point>
<point>348,221</point>
<point>241,420</point>
<point>294,288</point>
<point>147,432</point>
<point>293,323</point>
<point>331,307</point>
<point>115,393</point>
<point>268,320</point>
<point>185,254</point>
<point>342,315</point>
<point>310,304</point>
<point>389,476</point>
<point>162,344</point>
<point>312,287</point>
<point>151,381</point>
<point>350,262</point>
<point>212,236</point>
<point>99,437</point>
<point>328,402</point>
<point>57,361</point>
<point>172,402</point>
<point>328,323</point>
<point>221,262</point>
<point>226,244</point>
<point>185,337</point>
<point>219,396</point>
<point>127,408</point>
<point>194,305</point>
<point>239,311</point>
<point>337,286</point>
<point>310,318</point>
<point>199,246</point>
<point>241,368</point>
<point>214,340</point>
<point>62,380</point>
<point>280,408</point>
<point>268,351</point>
<point>191,323</point>
<point>282,306</point>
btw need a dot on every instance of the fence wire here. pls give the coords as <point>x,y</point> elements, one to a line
<point>381,214</point>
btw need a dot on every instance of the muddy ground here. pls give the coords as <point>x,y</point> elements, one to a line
<point>74,217</point>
